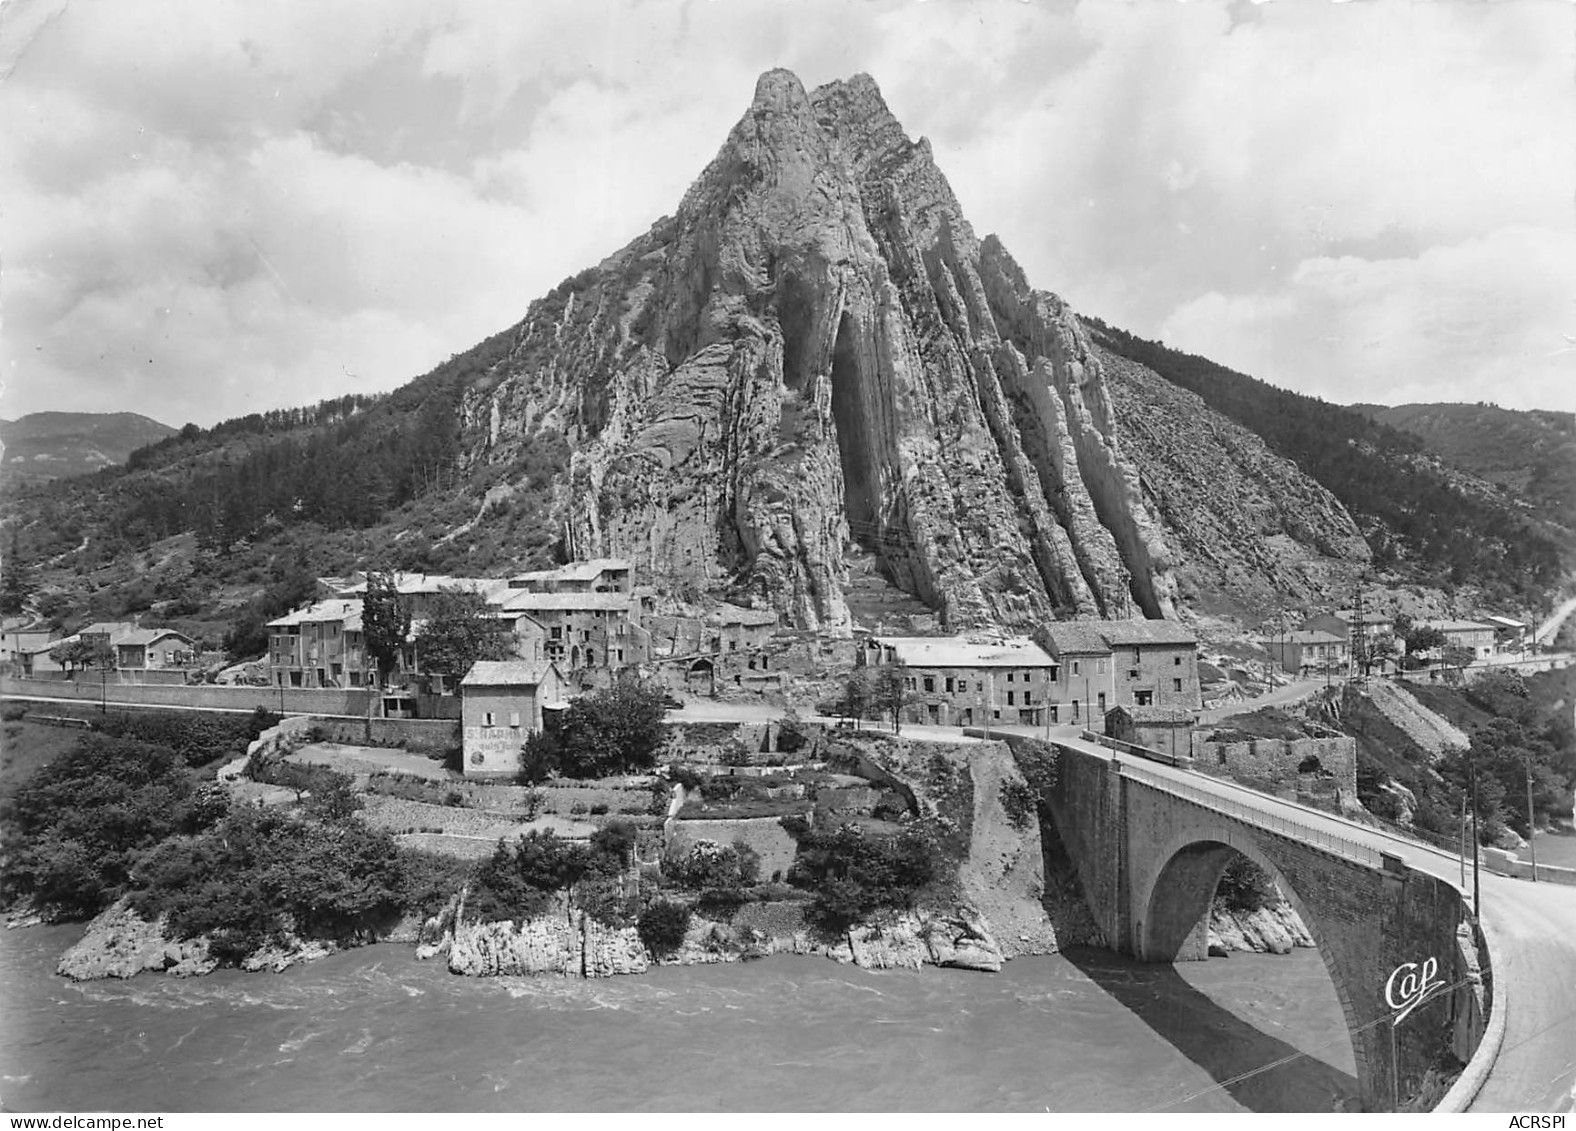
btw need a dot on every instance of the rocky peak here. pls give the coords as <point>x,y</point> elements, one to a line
<point>816,361</point>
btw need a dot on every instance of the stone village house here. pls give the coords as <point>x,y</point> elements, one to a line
<point>503,705</point>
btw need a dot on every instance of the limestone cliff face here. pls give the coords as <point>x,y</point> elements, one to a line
<point>1246,526</point>
<point>815,356</point>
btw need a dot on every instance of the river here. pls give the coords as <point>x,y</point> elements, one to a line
<point>375,1030</point>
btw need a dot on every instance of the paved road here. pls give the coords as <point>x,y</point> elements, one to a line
<point>1550,628</point>
<point>1531,928</point>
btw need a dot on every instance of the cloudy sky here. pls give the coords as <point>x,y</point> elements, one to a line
<point>212,208</point>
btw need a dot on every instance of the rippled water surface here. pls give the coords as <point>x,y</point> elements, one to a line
<point>375,1030</point>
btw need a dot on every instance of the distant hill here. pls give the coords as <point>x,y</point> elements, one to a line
<point>54,445</point>
<point>1530,453</point>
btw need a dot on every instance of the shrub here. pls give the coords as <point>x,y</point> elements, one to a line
<point>853,875</point>
<point>611,732</point>
<point>791,737</point>
<point>1244,886</point>
<point>705,864</point>
<point>662,926</point>
<point>76,828</point>
<point>519,882</point>
<point>454,799</point>
<point>11,712</point>
<point>599,809</point>
<point>1020,802</point>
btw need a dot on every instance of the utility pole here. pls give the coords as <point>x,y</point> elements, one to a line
<point>1532,824</point>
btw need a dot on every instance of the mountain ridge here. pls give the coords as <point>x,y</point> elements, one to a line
<point>52,445</point>
<point>813,369</point>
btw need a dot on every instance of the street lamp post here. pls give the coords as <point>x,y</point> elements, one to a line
<point>1477,905</point>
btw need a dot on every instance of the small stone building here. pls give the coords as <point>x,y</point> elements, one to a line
<point>1165,730</point>
<point>501,706</point>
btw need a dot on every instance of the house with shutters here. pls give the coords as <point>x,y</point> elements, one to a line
<point>953,681</point>
<point>502,704</point>
<point>1103,664</point>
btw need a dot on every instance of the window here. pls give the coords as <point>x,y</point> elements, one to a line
<point>1176,685</point>
<point>1144,698</point>
<point>1176,661</point>
<point>951,684</point>
<point>1132,673</point>
<point>930,683</point>
<point>963,685</point>
<point>1054,713</point>
<point>1009,677</point>
<point>1099,666</point>
<point>1075,667</point>
<point>514,719</point>
<point>1102,702</point>
<point>487,718</point>
<point>557,632</point>
<point>1026,698</point>
<point>1009,699</point>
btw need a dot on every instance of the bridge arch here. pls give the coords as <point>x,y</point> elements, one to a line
<point>1172,919</point>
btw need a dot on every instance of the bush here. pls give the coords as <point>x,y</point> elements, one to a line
<point>854,875</point>
<point>662,926</point>
<point>260,873</point>
<point>1244,886</point>
<point>11,712</point>
<point>454,799</point>
<point>518,883</point>
<point>77,827</point>
<point>705,864</point>
<point>1020,802</point>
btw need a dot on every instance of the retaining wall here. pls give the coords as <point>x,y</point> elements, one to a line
<point>213,697</point>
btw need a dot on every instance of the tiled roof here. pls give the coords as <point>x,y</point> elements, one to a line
<point>149,635</point>
<point>1126,633</point>
<point>1305,636</point>
<point>1455,625</point>
<point>114,629</point>
<point>506,673</point>
<point>1505,622</point>
<point>952,652</point>
<point>1078,637</point>
<point>347,613</point>
<point>575,571</point>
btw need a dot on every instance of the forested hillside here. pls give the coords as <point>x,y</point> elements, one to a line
<point>348,481</point>
<point>1530,453</point>
<point>1418,515</point>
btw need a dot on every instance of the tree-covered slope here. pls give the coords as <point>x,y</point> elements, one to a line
<point>1530,453</point>
<point>1418,515</point>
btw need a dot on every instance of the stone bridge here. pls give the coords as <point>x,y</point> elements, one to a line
<point>1149,844</point>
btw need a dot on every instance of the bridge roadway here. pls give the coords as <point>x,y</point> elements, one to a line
<point>1531,930</point>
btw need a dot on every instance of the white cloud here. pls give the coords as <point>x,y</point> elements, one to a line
<point>215,208</point>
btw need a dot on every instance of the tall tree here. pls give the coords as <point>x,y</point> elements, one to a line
<point>889,688</point>
<point>16,582</point>
<point>385,622</point>
<point>460,630</point>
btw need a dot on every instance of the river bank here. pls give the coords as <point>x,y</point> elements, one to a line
<point>376,1030</point>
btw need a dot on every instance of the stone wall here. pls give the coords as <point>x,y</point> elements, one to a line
<point>213,697</point>
<point>419,736</point>
<point>1275,762</point>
